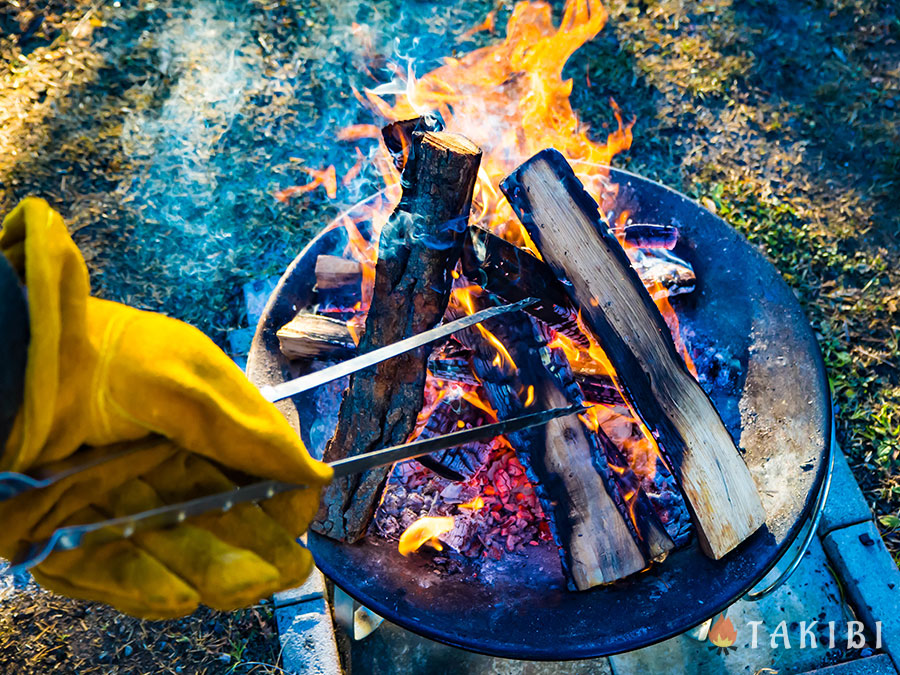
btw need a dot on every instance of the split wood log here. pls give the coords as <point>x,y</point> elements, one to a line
<point>417,251</point>
<point>564,223</point>
<point>515,274</point>
<point>588,514</point>
<point>310,336</point>
<point>332,271</point>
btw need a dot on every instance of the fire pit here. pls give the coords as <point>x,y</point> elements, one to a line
<point>776,406</point>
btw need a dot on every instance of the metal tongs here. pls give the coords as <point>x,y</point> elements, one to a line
<point>68,538</point>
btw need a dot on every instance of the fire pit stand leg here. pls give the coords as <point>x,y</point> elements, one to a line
<point>754,595</point>
<point>357,620</point>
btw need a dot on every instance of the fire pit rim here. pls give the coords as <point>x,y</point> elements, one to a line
<point>256,370</point>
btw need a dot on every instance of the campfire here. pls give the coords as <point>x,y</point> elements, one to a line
<point>462,223</point>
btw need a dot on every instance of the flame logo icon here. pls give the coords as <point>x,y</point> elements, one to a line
<point>722,634</point>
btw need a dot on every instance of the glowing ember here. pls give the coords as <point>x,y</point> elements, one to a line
<point>425,530</point>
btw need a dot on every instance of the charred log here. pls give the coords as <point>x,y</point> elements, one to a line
<point>515,274</point>
<point>461,463</point>
<point>589,515</point>
<point>647,235</point>
<point>417,250</point>
<point>600,389</point>
<point>564,223</point>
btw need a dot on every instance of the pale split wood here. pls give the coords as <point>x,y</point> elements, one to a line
<point>332,271</point>
<point>601,547</point>
<point>310,336</point>
<point>564,223</point>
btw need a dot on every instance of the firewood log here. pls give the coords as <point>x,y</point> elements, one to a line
<point>514,274</point>
<point>588,515</point>
<point>417,251</point>
<point>461,463</point>
<point>398,136</point>
<point>663,274</point>
<point>335,272</point>
<point>310,336</point>
<point>648,235</point>
<point>564,223</point>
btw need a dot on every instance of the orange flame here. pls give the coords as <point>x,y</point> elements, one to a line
<point>326,178</point>
<point>425,530</point>
<point>509,98</point>
<point>722,633</point>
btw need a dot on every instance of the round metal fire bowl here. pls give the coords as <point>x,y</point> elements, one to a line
<point>779,412</point>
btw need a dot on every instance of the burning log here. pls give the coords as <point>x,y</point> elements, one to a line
<point>417,250</point>
<point>564,223</point>
<point>600,389</point>
<point>398,136</point>
<point>663,273</point>
<point>514,274</point>
<point>589,514</point>
<point>456,369</point>
<point>335,272</point>
<point>310,336</point>
<point>646,235</point>
<point>461,463</point>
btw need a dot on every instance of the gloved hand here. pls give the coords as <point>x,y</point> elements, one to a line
<point>101,378</point>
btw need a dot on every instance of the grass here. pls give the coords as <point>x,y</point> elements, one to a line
<point>42,633</point>
<point>782,118</point>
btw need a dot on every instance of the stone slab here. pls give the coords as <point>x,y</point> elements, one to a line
<point>811,594</point>
<point>880,664</point>
<point>312,589</point>
<point>846,504</point>
<point>392,650</point>
<point>308,646</point>
<point>870,579</point>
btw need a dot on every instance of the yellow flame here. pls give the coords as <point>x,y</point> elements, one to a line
<point>425,530</point>
<point>474,505</point>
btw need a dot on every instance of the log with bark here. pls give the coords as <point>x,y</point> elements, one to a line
<point>417,251</point>
<point>588,512</point>
<point>564,223</point>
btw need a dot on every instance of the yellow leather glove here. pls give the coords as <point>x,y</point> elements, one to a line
<point>102,377</point>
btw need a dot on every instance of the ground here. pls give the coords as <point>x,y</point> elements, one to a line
<point>42,633</point>
<point>161,130</point>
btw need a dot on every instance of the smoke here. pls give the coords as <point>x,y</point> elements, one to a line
<point>246,97</point>
<point>183,191</point>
